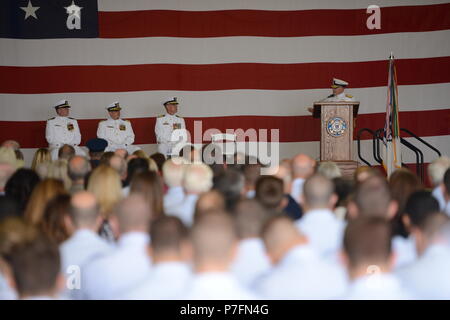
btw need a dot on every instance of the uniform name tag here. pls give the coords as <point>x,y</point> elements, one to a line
<point>70,127</point>
<point>110,127</point>
<point>165,123</point>
<point>122,127</point>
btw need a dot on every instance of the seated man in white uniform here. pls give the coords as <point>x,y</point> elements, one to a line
<point>369,259</point>
<point>62,130</point>
<point>118,132</point>
<point>165,125</point>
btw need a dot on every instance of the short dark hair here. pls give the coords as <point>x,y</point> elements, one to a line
<point>419,205</point>
<point>20,186</point>
<point>269,191</point>
<point>36,265</point>
<point>230,183</point>
<point>135,166</point>
<point>167,234</point>
<point>159,159</point>
<point>368,241</point>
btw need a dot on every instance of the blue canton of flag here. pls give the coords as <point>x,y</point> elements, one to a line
<point>39,19</point>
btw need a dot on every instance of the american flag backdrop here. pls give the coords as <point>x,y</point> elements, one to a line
<point>231,63</point>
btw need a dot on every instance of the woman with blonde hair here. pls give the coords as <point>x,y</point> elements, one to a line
<point>149,184</point>
<point>42,155</point>
<point>105,185</point>
<point>41,195</point>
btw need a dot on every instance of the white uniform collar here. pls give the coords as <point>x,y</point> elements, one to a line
<point>134,238</point>
<point>300,252</point>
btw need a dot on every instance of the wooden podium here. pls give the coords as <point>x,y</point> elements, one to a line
<point>336,133</point>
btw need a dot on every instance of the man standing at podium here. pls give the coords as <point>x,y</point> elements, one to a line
<point>338,94</point>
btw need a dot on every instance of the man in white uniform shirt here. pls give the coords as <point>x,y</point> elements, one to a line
<point>298,271</point>
<point>62,129</point>
<point>214,243</point>
<point>85,244</point>
<point>197,178</point>
<point>171,255</point>
<point>165,125</point>
<point>319,223</point>
<point>128,265</point>
<point>368,257</point>
<point>118,132</point>
<point>429,276</point>
<point>251,260</point>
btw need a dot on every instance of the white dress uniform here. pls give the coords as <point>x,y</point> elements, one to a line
<point>166,282</point>
<point>119,133</point>
<point>81,248</point>
<point>165,126</point>
<point>251,261</point>
<point>340,97</point>
<point>429,276</point>
<point>185,210</point>
<point>173,198</point>
<point>127,266</point>
<point>216,286</point>
<point>382,286</point>
<point>323,230</point>
<point>302,274</point>
<point>405,251</point>
<point>63,130</point>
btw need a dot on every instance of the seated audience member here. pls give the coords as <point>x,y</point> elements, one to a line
<point>329,169</point>
<point>363,173</point>
<point>104,160</point>
<point>170,254</point>
<point>214,243</point>
<point>231,184</point>
<point>6,171</point>
<point>35,265</point>
<point>209,201</point>
<point>159,159</point>
<point>428,277</point>
<point>252,171</point>
<point>11,144</point>
<point>319,223</point>
<point>369,259</point>
<point>251,260</point>
<point>402,184</point>
<point>120,165</point>
<point>85,244</point>
<point>150,186</point>
<point>343,188</point>
<point>197,179</point>
<point>45,191</point>
<point>42,155</point>
<point>109,276</point>
<point>66,152</point>
<point>54,218</point>
<point>123,153</point>
<point>78,169</point>
<point>96,148</point>
<point>436,171</point>
<point>270,193</point>
<point>58,169</point>
<point>298,272</point>
<point>302,167</point>
<point>283,171</point>
<point>172,173</point>
<point>8,155</point>
<point>372,198</point>
<point>104,184</point>
<point>20,186</point>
